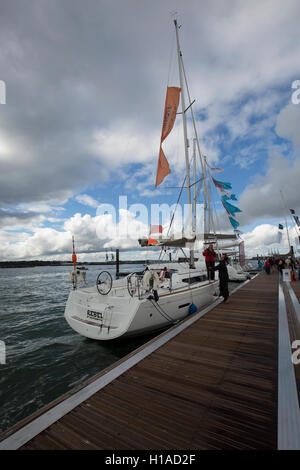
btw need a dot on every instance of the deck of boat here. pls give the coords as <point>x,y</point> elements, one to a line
<point>218,380</point>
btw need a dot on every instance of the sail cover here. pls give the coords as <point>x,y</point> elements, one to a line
<point>171,106</point>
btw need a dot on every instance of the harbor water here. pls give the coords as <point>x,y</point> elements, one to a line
<point>44,357</point>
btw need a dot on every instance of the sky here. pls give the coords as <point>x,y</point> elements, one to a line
<point>82,96</point>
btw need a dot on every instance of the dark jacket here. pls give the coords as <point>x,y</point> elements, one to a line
<point>223,278</point>
<point>223,272</point>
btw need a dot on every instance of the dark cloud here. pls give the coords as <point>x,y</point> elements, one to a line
<point>74,67</point>
<point>14,218</point>
<point>70,68</point>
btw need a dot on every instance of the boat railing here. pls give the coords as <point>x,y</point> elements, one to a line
<point>137,288</point>
<point>120,291</point>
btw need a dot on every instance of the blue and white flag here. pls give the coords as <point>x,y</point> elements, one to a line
<point>232,210</point>
<point>213,170</point>
<point>233,222</point>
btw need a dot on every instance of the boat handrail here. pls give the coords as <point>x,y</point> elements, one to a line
<point>136,287</point>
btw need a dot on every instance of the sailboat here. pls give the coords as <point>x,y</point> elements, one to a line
<point>161,296</point>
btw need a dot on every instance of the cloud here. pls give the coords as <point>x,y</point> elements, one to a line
<point>85,86</point>
<point>13,220</point>
<point>288,124</point>
<point>81,105</point>
<point>263,239</point>
<point>87,200</point>
<point>262,199</point>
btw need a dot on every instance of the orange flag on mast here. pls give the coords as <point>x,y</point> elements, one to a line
<point>171,105</point>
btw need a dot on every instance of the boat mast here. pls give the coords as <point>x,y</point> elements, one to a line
<point>203,168</point>
<point>186,144</point>
<point>194,187</point>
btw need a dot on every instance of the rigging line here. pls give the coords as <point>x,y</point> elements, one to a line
<point>203,166</point>
<point>162,313</point>
<point>191,292</point>
<point>180,193</point>
<point>171,58</point>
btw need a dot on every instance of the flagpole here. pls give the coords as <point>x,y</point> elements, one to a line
<point>287,230</point>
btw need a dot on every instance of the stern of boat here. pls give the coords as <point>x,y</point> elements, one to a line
<point>99,317</point>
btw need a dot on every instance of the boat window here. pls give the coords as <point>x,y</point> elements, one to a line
<point>194,279</point>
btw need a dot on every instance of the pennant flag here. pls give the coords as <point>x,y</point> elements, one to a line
<point>151,241</point>
<point>221,184</point>
<point>171,106</point>
<point>292,211</point>
<point>227,198</point>
<point>225,194</point>
<point>213,170</point>
<point>280,227</point>
<point>156,229</point>
<point>232,210</point>
<point>234,222</point>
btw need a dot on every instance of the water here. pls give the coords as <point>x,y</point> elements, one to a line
<point>44,356</point>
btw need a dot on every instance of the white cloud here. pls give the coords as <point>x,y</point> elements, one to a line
<point>263,239</point>
<point>288,123</point>
<point>70,125</point>
<point>39,207</point>
<point>87,200</point>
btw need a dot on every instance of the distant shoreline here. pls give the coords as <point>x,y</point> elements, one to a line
<point>35,263</point>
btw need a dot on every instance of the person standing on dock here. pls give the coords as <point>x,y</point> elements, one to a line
<point>210,256</point>
<point>223,277</point>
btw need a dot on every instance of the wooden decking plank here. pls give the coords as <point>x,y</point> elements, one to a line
<point>288,403</point>
<point>213,386</point>
<point>131,426</point>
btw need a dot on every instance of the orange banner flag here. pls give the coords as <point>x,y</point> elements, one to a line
<point>151,241</point>
<point>171,106</point>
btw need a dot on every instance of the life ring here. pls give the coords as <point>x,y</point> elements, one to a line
<point>150,280</point>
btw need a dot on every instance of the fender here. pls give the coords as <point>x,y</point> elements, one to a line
<point>150,280</point>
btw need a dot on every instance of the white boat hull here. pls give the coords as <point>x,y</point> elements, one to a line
<point>109,317</point>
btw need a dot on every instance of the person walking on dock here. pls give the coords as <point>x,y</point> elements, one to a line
<point>210,256</point>
<point>272,264</point>
<point>281,265</point>
<point>267,266</point>
<point>223,277</point>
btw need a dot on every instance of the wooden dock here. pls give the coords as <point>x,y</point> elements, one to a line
<point>221,379</point>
